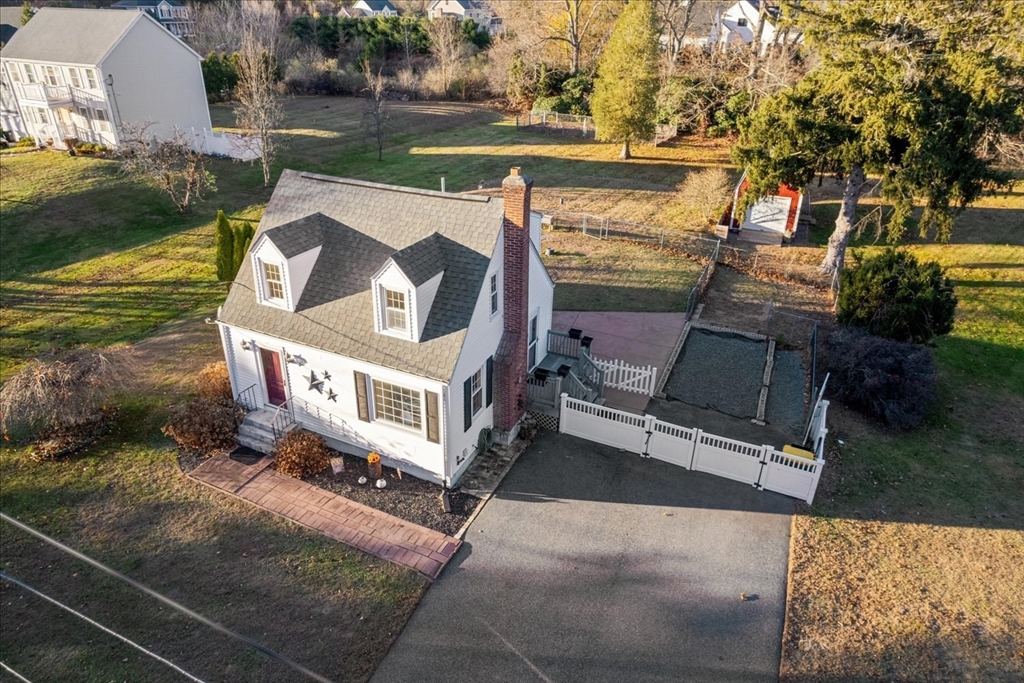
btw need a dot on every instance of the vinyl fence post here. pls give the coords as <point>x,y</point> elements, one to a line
<point>561,412</point>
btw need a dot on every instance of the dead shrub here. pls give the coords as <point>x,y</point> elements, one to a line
<point>706,192</point>
<point>213,381</point>
<point>61,393</point>
<point>205,424</point>
<point>300,453</point>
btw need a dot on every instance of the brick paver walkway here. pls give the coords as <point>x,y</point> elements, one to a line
<point>372,531</point>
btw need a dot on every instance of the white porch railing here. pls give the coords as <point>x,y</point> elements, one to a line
<point>637,379</point>
<point>762,466</point>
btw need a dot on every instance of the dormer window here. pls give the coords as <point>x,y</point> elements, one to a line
<point>275,283</point>
<point>396,311</point>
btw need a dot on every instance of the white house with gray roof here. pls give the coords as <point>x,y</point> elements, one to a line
<point>389,319</point>
<point>80,73</point>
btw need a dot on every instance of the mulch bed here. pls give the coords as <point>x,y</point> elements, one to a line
<point>408,498</point>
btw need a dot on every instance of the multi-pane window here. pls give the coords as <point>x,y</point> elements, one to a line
<point>532,353</point>
<point>90,76</point>
<point>476,387</point>
<point>395,315</point>
<point>275,283</point>
<point>51,76</point>
<point>30,73</point>
<point>15,73</point>
<point>41,115</point>
<point>101,116</point>
<point>494,294</point>
<point>396,404</point>
<point>75,80</point>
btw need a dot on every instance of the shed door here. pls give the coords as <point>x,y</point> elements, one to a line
<point>274,376</point>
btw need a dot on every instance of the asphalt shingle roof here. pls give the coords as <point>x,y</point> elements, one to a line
<point>363,225</point>
<point>421,260</point>
<point>70,36</point>
<point>299,236</point>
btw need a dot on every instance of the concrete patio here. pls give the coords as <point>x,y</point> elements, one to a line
<point>637,338</point>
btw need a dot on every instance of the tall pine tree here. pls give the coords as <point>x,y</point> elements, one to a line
<point>905,90</point>
<point>624,100</point>
<point>243,238</point>
<point>225,249</point>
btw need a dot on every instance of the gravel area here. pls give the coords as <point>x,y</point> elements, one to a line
<point>785,408</point>
<point>720,371</point>
<point>409,498</point>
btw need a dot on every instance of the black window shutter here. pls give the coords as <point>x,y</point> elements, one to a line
<point>361,403</point>
<point>433,433</point>
<point>490,379</point>
<point>467,403</point>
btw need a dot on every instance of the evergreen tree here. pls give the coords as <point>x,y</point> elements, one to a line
<point>225,249</point>
<point>243,238</point>
<point>624,100</point>
<point>903,91</point>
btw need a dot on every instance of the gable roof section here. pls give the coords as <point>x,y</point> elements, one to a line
<point>421,260</point>
<point>299,236</point>
<point>380,5</point>
<point>364,224</point>
<point>70,36</point>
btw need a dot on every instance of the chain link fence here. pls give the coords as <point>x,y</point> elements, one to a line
<point>580,126</point>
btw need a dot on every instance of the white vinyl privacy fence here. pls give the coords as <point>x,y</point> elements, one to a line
<point>762,466</point>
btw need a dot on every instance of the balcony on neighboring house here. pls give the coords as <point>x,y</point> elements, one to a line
<point>54,96</point>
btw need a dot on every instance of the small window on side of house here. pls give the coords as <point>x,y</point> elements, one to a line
<point>274,281</point>
<point>395,313</point>
<point>494,294</point>
<point>101,117</point>
<point>476,383</point>
<point>742,21</point>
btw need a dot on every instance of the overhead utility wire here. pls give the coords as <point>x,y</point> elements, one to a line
<point>101,627</point>
<point>167,601</point>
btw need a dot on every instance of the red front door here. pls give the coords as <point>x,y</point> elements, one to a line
<point>274,375</point>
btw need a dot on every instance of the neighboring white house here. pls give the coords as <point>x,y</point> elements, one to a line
<point>737,25</point>
<point>477,10</point>
<point>389,319</point>
<point>80,73</point>
<point>373,8</point>
<point>171,14</point>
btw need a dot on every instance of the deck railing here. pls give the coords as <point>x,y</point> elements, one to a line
<point>544,391</point>
<point>590,372</point>
<point>563,344</point>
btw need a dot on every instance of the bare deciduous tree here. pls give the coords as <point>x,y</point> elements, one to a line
<point>376,114</point>
<point>217,27</point>
<point>448,48</point>
<point>706,192</point>
<point>674,17</point>
<point>173,164</point>
<point>259,112</point>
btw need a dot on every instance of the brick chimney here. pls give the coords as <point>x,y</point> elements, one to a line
<point>511,356</point>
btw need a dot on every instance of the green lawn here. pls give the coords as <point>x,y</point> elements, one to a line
<point>909,563</point>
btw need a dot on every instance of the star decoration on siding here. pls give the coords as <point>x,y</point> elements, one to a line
<point>315,384</point>
<point>331,396</point>
<point>327,376</point>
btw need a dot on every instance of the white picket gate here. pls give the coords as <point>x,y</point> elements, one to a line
<point>763,467</point>
<point>638,379</point>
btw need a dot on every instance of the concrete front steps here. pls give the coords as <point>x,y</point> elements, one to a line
<point>256,431</point>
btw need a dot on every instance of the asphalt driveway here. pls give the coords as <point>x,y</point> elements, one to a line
<point>590,564</point>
